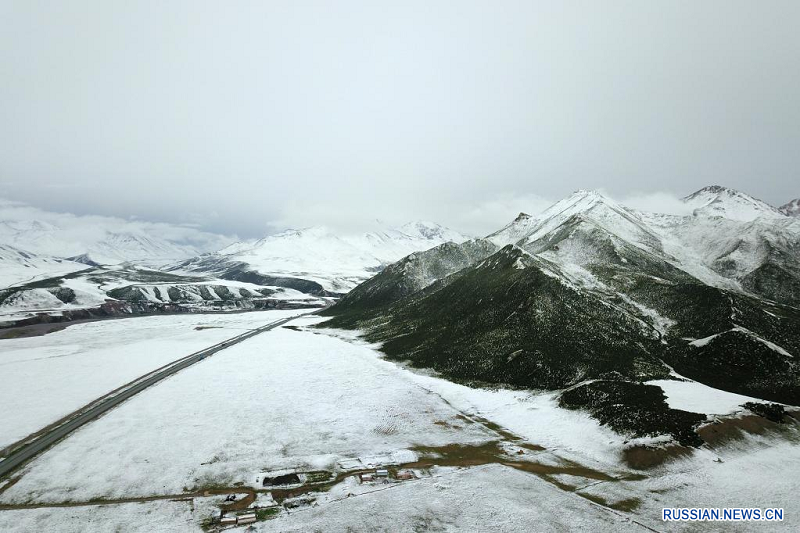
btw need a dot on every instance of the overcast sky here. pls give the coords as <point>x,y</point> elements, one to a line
<point>247,117</point>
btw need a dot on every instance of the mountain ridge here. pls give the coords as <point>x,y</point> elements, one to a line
<point>596,299</point>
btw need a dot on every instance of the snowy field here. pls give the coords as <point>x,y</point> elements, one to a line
<point>48,377</point>
<point>483,498</point>
<point>321,400</point>
<point>283,399</point>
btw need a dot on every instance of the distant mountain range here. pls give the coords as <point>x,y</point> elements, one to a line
<point>597,299</point>
<point>589,297</point>
<point>792,208</point>
<point>64,242</point>
<point>316,260</point>
<point>140,267</point>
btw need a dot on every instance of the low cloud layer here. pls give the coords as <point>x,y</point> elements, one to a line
<point>252,118</point>
<point>67,234</point>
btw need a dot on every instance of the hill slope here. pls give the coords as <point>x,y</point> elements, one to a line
<point>596,299</point>
<point>316,260</point>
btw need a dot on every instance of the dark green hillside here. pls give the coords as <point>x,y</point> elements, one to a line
<point>634,408</point>
<point>513,319</point>
<point>411,274</point>
<point>775,280</point>
<point>738,362</point>
<point>506,320</point>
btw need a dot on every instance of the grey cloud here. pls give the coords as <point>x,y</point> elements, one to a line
<point>247,116</point>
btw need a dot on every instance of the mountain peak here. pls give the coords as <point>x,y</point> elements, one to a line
<point>580,201</point>
<point>713,189</point>
<point>719,201</point>
<point>514,231</point>
<point>315,231</point>
<point>431,231</point>
<point>791,209</point>
<point>588,193</point>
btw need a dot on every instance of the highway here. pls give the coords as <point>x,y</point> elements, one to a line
<point>30,449</point>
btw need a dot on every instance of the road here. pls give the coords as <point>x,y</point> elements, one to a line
<point>100,406</point>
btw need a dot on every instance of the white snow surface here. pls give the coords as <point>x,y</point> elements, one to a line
<point>791,209</point>
<point>729,235</point>
<point>91,292</point>
<point>315,399</point>
<point>698,343</point>
<point>698,398</point>
<point>716,201</point>
<point>48,377</point>
<point>514,231</point>
<point>599,210</point>
<point>105,240</point>
<point>21,266</point>
<point>161,516</point>
<point>483,498</point>
<point>283,399</point>
<point>337,262</point>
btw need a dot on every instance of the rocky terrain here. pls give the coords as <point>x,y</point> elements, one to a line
<point>596,299</point>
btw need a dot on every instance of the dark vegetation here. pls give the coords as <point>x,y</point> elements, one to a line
<point>224,268</point>
<point>510,318</point>
<point>634,408</point>
<point>285,479</point>
<point>498,323</point>
<point>771,411</point>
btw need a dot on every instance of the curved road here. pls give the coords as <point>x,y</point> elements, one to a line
<point>93,410</point>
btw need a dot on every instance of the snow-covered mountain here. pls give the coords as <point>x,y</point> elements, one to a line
<point>126,289</point>
<point>791,209</point>
<point>729,203</point>
<point>731,241</point>
<point>20,266</point>
<point>100,239</point>
<point>515,230</point>
<point>316,259</point>
<point>594,299</point>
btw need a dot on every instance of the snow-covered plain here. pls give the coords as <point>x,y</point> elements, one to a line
<point>483,498</point>
<point>283,399</point>
<point>317,399</point>
<point>48,377</point>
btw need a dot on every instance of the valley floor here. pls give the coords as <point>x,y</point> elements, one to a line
<point>45,378</point>
<point>321,401</point>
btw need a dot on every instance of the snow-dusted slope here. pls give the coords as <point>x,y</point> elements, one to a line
<point>792,208</point>
<point>128,288</point>
<point>598,210</point>
<point>731,241</point>
<point>596,298</point>
<point>100,239</point>
<point>730,204</point>
<point>312,253</point>
<point>735,248</point>
<point>20,266</point>
<point>518,228</point>
<point>318,255</point>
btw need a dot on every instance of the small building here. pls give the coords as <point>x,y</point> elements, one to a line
<point>405,474</point>
<point>366,477</point>
<point>227,520</point>
<point>290,478</point>
<point>381,472</point>
<point>246,518</point>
